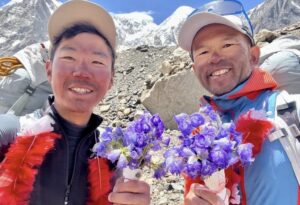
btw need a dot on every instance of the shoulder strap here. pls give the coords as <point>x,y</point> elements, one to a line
<point>22,101</point>
<point>288,129</point>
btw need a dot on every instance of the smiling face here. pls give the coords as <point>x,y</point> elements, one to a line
<point>80,75</point>
<point>223,58</point>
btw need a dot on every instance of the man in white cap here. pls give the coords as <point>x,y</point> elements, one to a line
<point>51,162</point>
<point>219,38</point>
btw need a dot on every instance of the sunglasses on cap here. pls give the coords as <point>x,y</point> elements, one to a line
<point>228,8</point>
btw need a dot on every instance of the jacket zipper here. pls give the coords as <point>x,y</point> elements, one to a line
<point>69,183</point>
<point>67,193</point>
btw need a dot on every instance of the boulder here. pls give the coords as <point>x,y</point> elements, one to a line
<point>265,36</point>
<point>166,68</point>
<point>174,94</point>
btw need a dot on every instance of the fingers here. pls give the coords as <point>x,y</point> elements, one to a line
<point>200,195</point>
<point>132,192</point>
<point>133,186</point>
<point>192,199</point>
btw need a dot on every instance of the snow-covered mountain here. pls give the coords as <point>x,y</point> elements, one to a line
<point>136,29</point>
<point>133,29</point>
<point>165,33</point>
<point>24,22</point>
<point>275,14</point>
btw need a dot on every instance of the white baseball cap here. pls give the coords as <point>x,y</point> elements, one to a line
<point>227,12</point>
<point>81,11</point>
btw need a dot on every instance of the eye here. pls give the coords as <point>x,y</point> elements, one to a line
<point>96,62</point>
<point>202,53</point>
<point>227,45</point>
<point>69,58</point>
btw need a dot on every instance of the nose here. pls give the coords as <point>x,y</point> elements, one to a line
<point>82,70</point>
<point>215,57</point>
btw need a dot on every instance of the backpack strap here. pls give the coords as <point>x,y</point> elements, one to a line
<point>22,101</point>
<point>288,129</point>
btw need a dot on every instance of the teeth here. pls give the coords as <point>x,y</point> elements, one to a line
<point>81,90</point>
<point>220,72</point>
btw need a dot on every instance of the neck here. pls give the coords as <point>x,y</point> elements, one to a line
<point>77,118</point>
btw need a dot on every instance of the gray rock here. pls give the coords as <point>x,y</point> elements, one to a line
<point>173,95</point>
<point>104,108</point>
<point>166,68</point>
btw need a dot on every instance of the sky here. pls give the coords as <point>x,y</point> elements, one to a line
<point>158,9</point>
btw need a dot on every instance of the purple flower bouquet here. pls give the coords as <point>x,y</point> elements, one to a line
<point>206,146</point>
<point>133,146</point>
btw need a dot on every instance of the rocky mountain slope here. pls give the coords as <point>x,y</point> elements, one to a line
<point>275,14</point>
<point>24,22</point>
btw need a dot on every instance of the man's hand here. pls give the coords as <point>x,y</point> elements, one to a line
<point>200,195</point>
<point>133,192</point>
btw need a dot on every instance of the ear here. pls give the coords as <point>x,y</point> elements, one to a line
<point>254,54</point>
<point>112,79</point>
<point>48,67</point>
<point>193,67</point>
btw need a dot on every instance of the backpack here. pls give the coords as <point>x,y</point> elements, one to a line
<point>287,130</point>
<point>23,85</point>
<point>281,59</point>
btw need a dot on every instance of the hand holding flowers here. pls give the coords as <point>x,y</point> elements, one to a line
<point>134,146</point>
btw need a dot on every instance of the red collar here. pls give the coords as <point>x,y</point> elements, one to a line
<point>25,156</point>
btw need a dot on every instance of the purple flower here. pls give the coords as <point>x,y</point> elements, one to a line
<point>209,111</point>
<point>207,168</point>
<point>196,119</point>
<point>101,150</point>
<point>166,141</point>
<point>107,135</point>
<point>186,152</point>
<point>174,166</point>
<point>118,135</point>
<point>201,152</point>
<point>219,157</point>
<point>245,153</point>
<point>134,164</point>
<point>129,138</point>
<point>114,155</point>
<point>156,146</point>
<point>145,127</point>
<point>184,123</point>
<point>122,162</point>
<point>148,157</point>
<point>134,154</point>
<point>156,121</point>
<point>206,145</point>
<point>202,141</point>
<point>130,147</point>
<point>193,169</point>
<point>160,172</point>
<point>226,144</point>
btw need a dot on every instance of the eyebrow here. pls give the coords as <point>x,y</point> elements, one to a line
<point>99,53</point>
<point>68,48</point>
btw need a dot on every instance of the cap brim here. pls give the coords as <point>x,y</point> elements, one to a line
<point>74,12</point>
<point>196,22</point>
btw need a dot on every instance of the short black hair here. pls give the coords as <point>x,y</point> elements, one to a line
<point>76,29</point>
